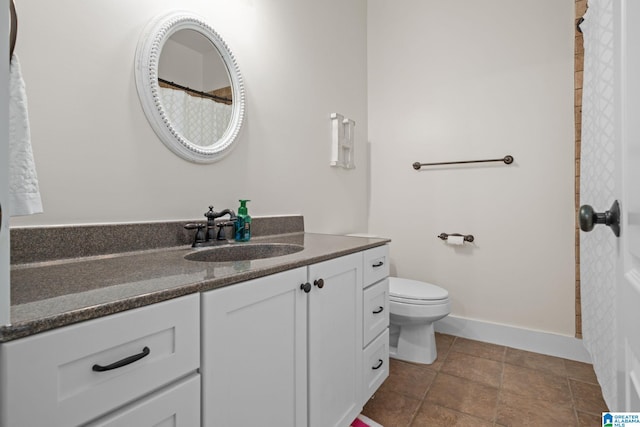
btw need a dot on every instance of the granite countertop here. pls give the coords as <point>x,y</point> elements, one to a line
<point>51,294</point>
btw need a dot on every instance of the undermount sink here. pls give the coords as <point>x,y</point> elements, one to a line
<point>243,252</point>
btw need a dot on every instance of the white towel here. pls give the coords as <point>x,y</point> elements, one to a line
<point>24,194</point>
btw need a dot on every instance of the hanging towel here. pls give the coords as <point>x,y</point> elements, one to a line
<point>24,193</point>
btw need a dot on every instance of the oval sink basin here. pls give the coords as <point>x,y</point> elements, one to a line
<point>243,252</point>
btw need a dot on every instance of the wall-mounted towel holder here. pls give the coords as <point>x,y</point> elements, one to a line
<point>507,160</point>
<point>343,141</point>
<point>466,237</point>
<point>13,32</point>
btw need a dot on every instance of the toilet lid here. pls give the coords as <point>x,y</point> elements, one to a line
<point>407,289</point>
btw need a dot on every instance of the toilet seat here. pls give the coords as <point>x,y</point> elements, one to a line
<point>409,291</point>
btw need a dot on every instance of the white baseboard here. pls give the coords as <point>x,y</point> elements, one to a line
<point>511,336</point>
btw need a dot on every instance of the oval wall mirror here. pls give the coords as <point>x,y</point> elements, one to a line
<point>190,87</point>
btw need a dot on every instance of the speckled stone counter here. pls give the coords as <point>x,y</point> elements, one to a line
<point>50,294</point>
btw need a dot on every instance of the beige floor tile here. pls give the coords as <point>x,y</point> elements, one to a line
<point>473,368</point>
<point>444,341</point>
<point>542,362</point>
<point>514,410</point>
<point>470,397</point>
<point>587,397</point>
<point>391,409</point>
<point>478,384</point>
<point>589,420</point>
<point>410,379</point>
<point>431,415</point>
<point>580,371</point>
<point>535,384</point>
<point>479,349</point>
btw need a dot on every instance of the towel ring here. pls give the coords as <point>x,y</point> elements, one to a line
<point>13,34</point>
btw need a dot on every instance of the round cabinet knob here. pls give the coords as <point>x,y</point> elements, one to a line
<point>306,287</point>
<point>588,218</point>
<point>319,283</point>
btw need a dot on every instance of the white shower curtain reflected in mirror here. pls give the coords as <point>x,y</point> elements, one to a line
<point>597,188</point>
<point>200,120</point>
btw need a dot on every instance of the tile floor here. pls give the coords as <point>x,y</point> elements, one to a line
<point>477,384</point>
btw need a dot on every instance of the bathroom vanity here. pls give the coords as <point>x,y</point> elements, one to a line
<point>294,340</point>
<point>295,353</point>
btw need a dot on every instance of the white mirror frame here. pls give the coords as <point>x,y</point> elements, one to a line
<point>148,53</point>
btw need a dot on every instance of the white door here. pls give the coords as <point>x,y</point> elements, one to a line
<point>4,165</point>
<point>612,294</point>
<point>335,341</point>
<point>628,272</point>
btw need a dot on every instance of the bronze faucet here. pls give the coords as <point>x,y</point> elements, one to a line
<point>209,237</point>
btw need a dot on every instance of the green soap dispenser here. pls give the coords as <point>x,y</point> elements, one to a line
<point>243,224</point>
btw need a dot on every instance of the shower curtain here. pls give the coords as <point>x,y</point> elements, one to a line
<point>597,186</point>
<point>202,121</point>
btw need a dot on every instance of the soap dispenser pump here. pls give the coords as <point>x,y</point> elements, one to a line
<point>243,224</point>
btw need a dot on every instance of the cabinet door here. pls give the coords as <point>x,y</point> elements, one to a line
<point>335,342</point>
<point>254,353</point>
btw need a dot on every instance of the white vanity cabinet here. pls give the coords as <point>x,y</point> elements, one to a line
<point>275,355</point>
<point>116,367</point>
<point>304,347</point>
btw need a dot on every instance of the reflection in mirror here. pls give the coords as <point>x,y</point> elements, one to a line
<point>194,87</point>
<point>190,87</point>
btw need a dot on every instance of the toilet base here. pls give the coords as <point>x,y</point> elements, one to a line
<point>416,343</point>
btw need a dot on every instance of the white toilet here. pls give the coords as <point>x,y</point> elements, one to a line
<point>414,306</point>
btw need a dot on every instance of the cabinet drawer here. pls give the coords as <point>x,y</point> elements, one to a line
<point>175,406</point>
<point>56,370</point>
<point>375,365</point>
<point>376,264</point>
<point>376,310</point>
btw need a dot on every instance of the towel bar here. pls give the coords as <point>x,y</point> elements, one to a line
<point>506,159</point>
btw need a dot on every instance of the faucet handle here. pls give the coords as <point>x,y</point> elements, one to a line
<point>200,236</point>
<point>221,225</point>
<point>193,226</point>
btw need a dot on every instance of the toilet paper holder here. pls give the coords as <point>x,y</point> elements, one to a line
<point>466,237</point>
